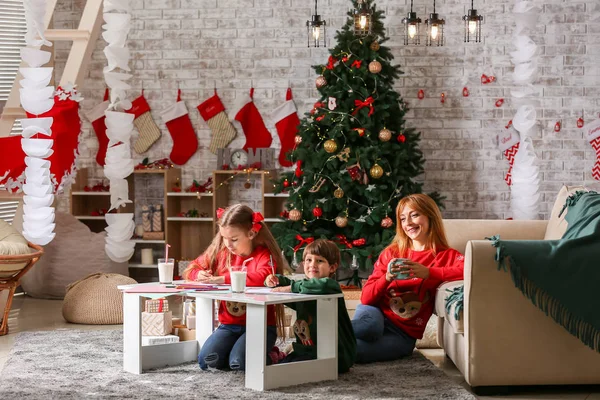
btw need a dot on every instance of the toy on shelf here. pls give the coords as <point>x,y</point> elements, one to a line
<point>100,212</point>
<point>163,163</point>
<point>99,187</point>
<point>201,188</point>
<point>193,213</point>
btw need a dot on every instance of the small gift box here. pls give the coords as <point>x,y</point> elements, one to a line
<point>191,322</point>
<point>153,236</point>
<point>189,309</point>
<point>157,305</point>
<point>157,324</point>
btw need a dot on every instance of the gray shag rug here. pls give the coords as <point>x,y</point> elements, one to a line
<point>70,364</point>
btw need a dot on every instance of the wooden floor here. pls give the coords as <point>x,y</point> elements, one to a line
<point>30,314</point>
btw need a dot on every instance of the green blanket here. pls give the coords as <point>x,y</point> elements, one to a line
<point>562,277</point>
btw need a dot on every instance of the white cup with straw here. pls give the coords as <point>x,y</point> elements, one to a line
<point>238,274</point>
<point>165,267</point>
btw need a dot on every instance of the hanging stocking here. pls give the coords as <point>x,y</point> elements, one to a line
<point>593,135</point>
<point>509,145</point>
<point>286,121</point>
<point>149,132</point>
<point>213,112</point>
<point>96,117</point>
<point>185,141</point>
<point>257,135</point>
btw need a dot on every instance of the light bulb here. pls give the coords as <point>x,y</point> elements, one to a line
<point>412,30</point>
<point>362,21</point>
<point>354,265</point>
<point>316,32</point>
<point>434,32</point>
<point>472,26</point>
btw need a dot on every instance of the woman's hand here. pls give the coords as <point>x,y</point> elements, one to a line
<point>271,281</point>
<point>394,268</point>
<point>283,289</point>
<point>414,269</point>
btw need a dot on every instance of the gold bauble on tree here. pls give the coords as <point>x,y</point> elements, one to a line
<point>330,146</point>
<point>375,46</point>
<point>298,139</point>
<point>338,193</point>
<point>295,215</point>
<point>321,81</point>
<point>385,135</point>
<point>375,67</point>
<point>376,171</point>
<point>341,221</point>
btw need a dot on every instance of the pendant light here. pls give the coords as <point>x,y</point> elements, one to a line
<point>315,28</point>
<point>362,19</point>
<point>435,29</point>
<point>473,23</point>
<point>411,27</point>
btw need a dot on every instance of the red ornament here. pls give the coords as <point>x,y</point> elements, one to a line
<point>402,138</point>
<point>317,212</point>
<point>331,62</point>
<point>492,78</point>
<point>465,92</point>
<point>320,118</point>
<point>286,183</point>
<point>557,127</point>
<point>421,94</point>
<point>359,242</point>
<point>580,122</point>
<point>360,131</point>
<point>295,183</point>
<point>499,102</point>
<point>485,79</point>
<point>387,222</point>
<point>509,124</point>
<point>298,172</point>
<point>443,98</point>
<point>345,58</point>
<point>356,63</point>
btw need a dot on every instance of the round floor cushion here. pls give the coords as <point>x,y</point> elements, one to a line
<point>95,300</point>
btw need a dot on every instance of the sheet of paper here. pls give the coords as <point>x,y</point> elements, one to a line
<point>266,290</point>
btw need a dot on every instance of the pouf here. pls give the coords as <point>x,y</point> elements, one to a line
<point>95,300</point>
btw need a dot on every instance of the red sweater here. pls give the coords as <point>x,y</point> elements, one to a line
<point>231,312</point>
<point>409,303</point>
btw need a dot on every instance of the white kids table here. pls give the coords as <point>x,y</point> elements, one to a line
<point>259,376</point>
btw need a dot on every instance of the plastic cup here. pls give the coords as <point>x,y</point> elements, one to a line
<point>395,262</point>
<point>165,270</point>
<point>238,278</point>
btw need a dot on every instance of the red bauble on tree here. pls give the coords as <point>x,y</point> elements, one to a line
<point>286,183</point>
<point>401,138</point>
<point>317,212</point>
<point>359,242</point>
<point>298,171</point>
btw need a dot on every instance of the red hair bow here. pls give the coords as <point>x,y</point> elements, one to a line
<point>256,218</point>
<point>220,212</point>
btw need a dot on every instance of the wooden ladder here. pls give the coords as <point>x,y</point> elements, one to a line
<point>84,41</point>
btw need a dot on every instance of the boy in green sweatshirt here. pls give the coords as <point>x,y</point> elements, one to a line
<point>321,259</point>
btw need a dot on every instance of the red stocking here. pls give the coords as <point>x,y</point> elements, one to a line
<point>257,134</point>
<point>593,135</point>
<point>96,117</point>
<point>12,163</point>
<point>185,141</point>
<point>508,142</point>
<point>286,121</point>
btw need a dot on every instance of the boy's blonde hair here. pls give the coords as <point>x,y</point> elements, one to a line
<point>436,237</point>
<point>326,249</point>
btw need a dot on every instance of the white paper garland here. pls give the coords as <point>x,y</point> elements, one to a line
<point>118,162</point>
<point>37,98</point>
<point>525,176</point>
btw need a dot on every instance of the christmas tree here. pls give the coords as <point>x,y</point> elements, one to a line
<point>354,155</point>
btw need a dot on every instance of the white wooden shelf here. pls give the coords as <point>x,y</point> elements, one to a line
<point>277,195</point>
<point>89,217</point>
<point>201,219</point>
<point>148,241</point>
<point>188,194</point>
<point>90,193</point>
<point>143,266</point>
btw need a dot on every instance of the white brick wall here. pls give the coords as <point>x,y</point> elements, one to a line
<point>195,44</point>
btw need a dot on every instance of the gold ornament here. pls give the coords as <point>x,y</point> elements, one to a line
<point>330,146</point>
<point>385,135</point>
<point>338,193</point>
<point>376,171</point>
<point>321,81</point>
<point>375,67</point>
<point>247,184</point>
<point>344,155</point>
<point>295,215</point>
<point>298,139</point>
<point>387,222</point>
<point>375,46</point>
<point>341,221</point>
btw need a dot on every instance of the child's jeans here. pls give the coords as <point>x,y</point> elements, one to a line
<point>377,338</point>
<point>226,347</point>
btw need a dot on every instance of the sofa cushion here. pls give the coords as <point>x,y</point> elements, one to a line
<point>440,306</point>
<point>557,225</point>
